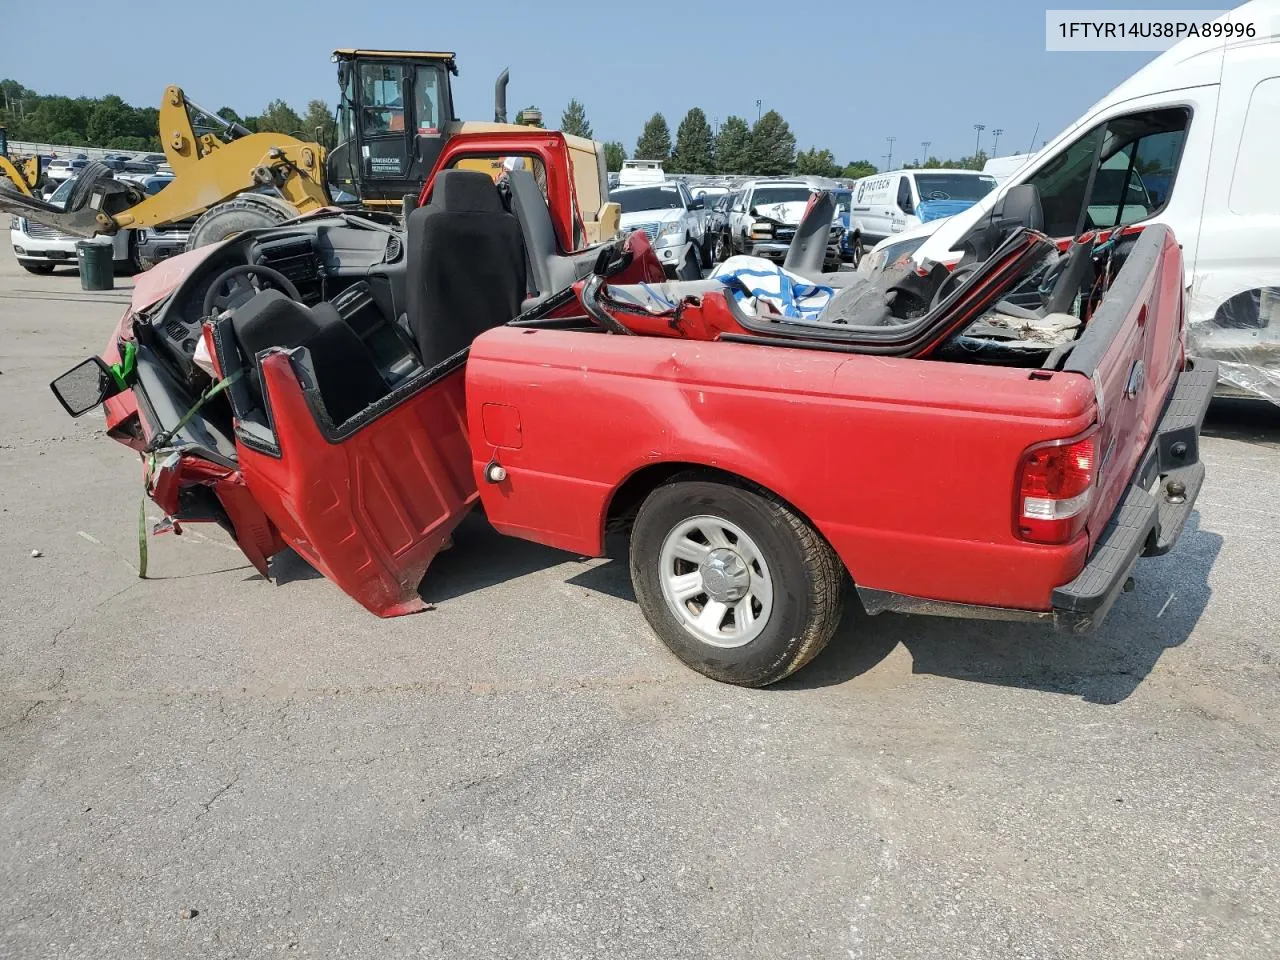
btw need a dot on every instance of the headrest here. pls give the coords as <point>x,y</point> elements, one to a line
<point>465,191</point>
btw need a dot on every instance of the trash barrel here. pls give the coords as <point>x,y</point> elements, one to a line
<point>96,266</point>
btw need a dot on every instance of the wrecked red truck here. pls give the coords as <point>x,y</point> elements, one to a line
<point>1001,438</point>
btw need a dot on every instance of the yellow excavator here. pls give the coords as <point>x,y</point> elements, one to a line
<point>395,115</point>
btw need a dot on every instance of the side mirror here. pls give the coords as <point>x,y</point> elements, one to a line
<point>698,204</point>
<point>754,212</point>
<point>85,386</point>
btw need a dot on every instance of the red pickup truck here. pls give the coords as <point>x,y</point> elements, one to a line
<point>1000,439</point>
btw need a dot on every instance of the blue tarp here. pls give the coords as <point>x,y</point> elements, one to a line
<point>938,209</point>
<point>794,296</point>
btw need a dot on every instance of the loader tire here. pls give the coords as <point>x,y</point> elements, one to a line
<point>246,212</point>
<point>92,175</point>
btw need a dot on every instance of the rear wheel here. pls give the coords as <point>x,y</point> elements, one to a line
<point>733,581</point>
<point>246,212</point>
<point>40,268</point>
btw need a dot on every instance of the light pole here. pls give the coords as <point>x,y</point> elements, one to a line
<point>759,110</point>
<point>924,153</point>
<point>995,146</point>
<point>978,144</point>
<point>889,158</point>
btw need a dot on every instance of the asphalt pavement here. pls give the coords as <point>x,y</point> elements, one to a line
<point>208,764</point>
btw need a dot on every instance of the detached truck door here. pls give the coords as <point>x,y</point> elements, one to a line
<point>368,503</point>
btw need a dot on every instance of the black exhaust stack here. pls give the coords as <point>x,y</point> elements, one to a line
<point>500,97</point>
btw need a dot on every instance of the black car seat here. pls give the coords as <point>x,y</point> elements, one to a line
<point>345,372</point>
<point>466,265</point>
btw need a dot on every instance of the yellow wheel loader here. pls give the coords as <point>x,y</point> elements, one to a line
<point>17,178</point>
<point>395,115</point>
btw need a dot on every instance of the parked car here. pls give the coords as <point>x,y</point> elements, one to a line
<point>62,169</point>
<point>717,225</point>
<point>886,204</point>
<point>1188,141</point>
<point>39,248</point>
<point>671,219</point>
<point>764,219</point>
<point>157,243</point>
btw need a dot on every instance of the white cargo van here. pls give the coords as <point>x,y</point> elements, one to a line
<point>889,203</point>
<point>1191,141</point>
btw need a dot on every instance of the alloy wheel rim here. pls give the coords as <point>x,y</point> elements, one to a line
<point>716,581</point>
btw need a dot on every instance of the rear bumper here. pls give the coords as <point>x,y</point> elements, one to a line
<point>1148,521</point>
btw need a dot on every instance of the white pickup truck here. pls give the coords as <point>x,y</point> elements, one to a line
<point>673,222</point>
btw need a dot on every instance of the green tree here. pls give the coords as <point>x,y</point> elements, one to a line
<point>614,155</point>
<point>655,140</point>
<point>279,117</point>
<point>319,123</point>
<point>733,147</point>
<point>817,163</point>
<point>695,146</point>
<point>773,146</point>
<point>109,118</point>
<point>857,169</point>
<point>574,120</point>
<point>58,120</point>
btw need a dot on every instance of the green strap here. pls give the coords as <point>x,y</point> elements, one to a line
<point>123,371</point>
<point>142,537</point>
<point>161,440</point>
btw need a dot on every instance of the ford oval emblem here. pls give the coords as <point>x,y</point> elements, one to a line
<point>1137,375</point>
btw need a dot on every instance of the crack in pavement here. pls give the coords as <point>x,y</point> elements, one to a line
<point>206,804</point>
<point>31,708</point>
<point>98,603</point>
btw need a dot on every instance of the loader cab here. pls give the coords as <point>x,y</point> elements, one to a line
<point>395,111</point>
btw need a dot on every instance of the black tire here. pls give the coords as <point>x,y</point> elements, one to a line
<point>43,269</point>
<point>806,577</point>
<point>132,265</point>
<point>859,249</point>
<point>88,178</point>
<point>704,253</point>
<point>724,248</point>
<point>246,212</point>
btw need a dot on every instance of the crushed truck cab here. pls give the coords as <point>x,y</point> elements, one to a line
<point>1004,440</point>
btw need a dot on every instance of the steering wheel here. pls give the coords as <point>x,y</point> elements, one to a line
<point>237,285</point>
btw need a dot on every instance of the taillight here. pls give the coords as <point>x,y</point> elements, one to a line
<point>1055,485</point>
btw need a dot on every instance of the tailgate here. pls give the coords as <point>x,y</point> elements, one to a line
<point>1132,350</point>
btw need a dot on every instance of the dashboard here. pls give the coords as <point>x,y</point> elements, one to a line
<point>321,257</point>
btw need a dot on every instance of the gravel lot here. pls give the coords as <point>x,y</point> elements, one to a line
<point>525,772</point>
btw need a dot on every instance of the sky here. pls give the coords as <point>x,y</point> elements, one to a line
<point>845,76</point>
